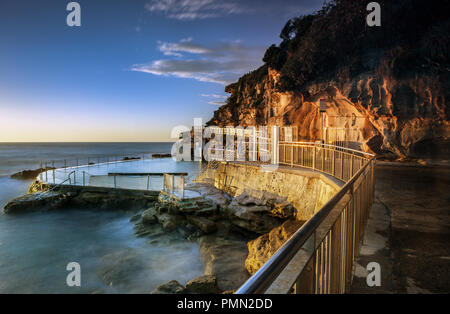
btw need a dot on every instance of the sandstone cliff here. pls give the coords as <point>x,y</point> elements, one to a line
<point>389,93</point>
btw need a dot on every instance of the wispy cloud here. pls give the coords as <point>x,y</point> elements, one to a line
<point>194,9</point>
<point>221,63</point>
<point>217,98</point>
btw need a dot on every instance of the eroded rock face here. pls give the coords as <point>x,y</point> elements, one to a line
<point>262,248</point>
<point>388,116</point>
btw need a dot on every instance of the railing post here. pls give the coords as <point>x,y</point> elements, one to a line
<point>173,184</point>
<point>351,166</point>
<point>292,155</point>
<point>182,187</point>
<point>302,157</point>
<point>84,181</point>
<point>323,158</point>
<point>53,176</point>
<point>148,182</point>
<point>314,157</point>
<point>115,183</point>
<point>275,145</point>
<point>333,163</point>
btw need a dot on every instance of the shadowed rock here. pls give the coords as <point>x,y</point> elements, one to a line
<point>37,201</point>
<point>224,258</point>
<point>171,287</point>
<point>262,248</point>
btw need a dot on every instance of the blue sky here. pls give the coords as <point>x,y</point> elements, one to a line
<point>133,70</point>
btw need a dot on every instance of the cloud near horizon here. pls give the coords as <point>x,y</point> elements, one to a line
<point>221,63</point>
<point>194,9</point>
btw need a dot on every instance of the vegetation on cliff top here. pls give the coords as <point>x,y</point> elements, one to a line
<point>336,44</point>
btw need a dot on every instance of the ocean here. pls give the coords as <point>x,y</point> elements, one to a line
<point>35,248</point>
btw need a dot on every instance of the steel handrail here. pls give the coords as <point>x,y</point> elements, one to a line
<point>262,279</point>
<point>337,148</point>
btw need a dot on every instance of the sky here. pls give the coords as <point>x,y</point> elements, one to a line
<point>133,70</point>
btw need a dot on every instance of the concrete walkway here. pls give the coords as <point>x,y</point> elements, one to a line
<point>408,232</point>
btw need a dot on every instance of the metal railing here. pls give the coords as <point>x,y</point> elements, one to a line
<point>75,172</point>
<point>318,258</point>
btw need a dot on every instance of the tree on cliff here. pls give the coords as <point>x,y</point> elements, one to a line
<point>335,46</point>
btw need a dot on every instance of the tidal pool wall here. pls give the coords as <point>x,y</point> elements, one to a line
<point>306,189</point>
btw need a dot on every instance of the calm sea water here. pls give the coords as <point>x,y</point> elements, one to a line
<point>35,248</point>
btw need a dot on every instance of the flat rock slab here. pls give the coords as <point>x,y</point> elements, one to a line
<point>40,200</point>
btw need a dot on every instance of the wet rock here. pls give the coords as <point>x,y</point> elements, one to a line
<point>171,287</point>
<point>170,222</point>
<point>262,248</point>
<point>146,230</point>
<point>149,216</point>
<point>225,259</point>
<point>135,218</point>
<point>120,268</point>
<point>204,224</point>
<point>110,200</point>
<point>49,200</point>
<point>206,284</point>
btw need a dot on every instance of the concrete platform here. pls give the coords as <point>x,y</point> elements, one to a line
<point>408,232</point>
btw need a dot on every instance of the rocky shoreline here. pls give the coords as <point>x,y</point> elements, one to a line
<point>235,235</point>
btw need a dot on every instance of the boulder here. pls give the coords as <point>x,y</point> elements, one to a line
<point>211,193</point>
<point>149,216</point>
<point>262,248</point>
<point>255,218</point>
<point>170,222</point>
<point>171,287</point>
<point>284,210</point>
<point>204,224</point>
<point>224,258</point>
<point>147,230</point>
<point>246,199</point>
<point>206,284</point>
